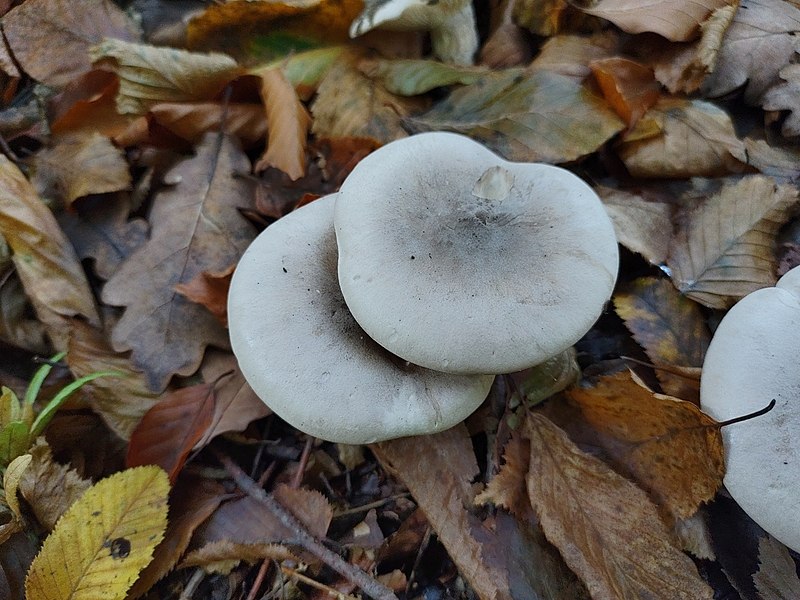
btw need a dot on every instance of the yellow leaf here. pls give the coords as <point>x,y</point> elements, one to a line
<point>11,480</point>
<point>102,542</point>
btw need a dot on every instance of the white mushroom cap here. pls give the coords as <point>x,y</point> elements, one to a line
<point>753,358</point>
<point>308,360</point>
<point>459,261</point>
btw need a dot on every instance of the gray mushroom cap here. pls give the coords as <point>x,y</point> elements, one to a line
<point>307,358</point>
<point>752,359</point>
<point>460,261</point>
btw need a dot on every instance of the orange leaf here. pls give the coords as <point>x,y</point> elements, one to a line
<point>210,290</point>
<point>169,430</point>
<point>630,88</point>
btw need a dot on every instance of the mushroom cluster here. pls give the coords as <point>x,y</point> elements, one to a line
<point>386,309</point>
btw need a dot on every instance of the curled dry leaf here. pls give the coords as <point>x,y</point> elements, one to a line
<point>669,446</point>
<point>149,75</point>
<point>11,478</point>
<point>88,105</point>
<point>725,246</point>
<point>50,39</point>
<point>210,290</point>
<point>629,87</point>
<point>222,556</point>
<point>683,138</point>
<point>542,17</point>
<point>605,527</point>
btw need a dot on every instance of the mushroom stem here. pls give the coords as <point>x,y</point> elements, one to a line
<point>455,40</point>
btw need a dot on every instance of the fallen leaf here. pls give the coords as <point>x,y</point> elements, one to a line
<point>776,578</point>
<point>167,433</point>
<point>149,75</point>
<point>683,138</point>
<point>210,290</point>
<point>223,555</point>
<point>784,96</point>
<point>104,539</point>
<point>670,328</point>
<point>45,261</point>
<point>629,87</point>
<point>507,488</point>
<point>78,165</point>
<point>191,120</point>
<point>780,162</point>
<point>542,17</point>
<point>414,77</point>
<point>642,221</point>
<point>605,527</point>
<point>761,40</point>
<point>87,104</point>
<point>525,116</point>
<point>669,446</point>
<point>16,555</point>
<point>11,478</point>
<point>570,55</point>
<point>48,487</point>
<point>305,70</point>
<point>507,46</point>
<point>676,20</point>
<point>50,39</point>
<point>725,246</point>
<point>287,122</point>
<point>196,227</point>
<point>18,327</point>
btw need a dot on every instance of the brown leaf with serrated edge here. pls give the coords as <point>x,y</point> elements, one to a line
<point>507,488</point>
<point>190,120</point>
<point>725,246</point>
<point>223,555</point>
<point>438,470</point>
<point>237,404</point>
<point>49,487</point>
<point>683,138</point>
<point>79,164</point>
<point>669,446</point>
<point>196,227</point>
<point>210,290</point>
<point>525,116</point>
<point>18,326</point>
<point>606,528</point>
<point>167,433</point>
<point>670,328</point>
<point>50,39</point>
<point>122,400</point>
<point>642,221</point>
<point>191,501</point>
<point>46,263</point>
<point>287,122</point>
<point>676,20</point>
<point>629,87</point>
<point>776,577</point>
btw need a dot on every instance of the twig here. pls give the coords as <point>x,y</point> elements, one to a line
<point>304,539</point>
<point>316,584</point>
<point>371,505</point>
<point>192,585</point>
<point>301,467</point>
<point>262,572</point>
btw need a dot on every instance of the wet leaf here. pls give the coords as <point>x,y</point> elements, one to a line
<point>538,116</point>
<point>776,578</point>
<point>103,540</point>
<point>50,39</point>
<point>725,247</point>
<point>413,77</point>
<point>168,431</point>
<point>629,87</point>
<point>196,227</point>
<point>149,75</point>
<point>605,527</point>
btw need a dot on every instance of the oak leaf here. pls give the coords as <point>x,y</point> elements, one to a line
<point>605,527</point>
<point>784,96</point>
<point>725,247</point>
<point>196,227</point>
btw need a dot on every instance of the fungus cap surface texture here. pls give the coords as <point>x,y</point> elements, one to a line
<point>460,261</point>
<point>752,359</point>
<point>307,358</point>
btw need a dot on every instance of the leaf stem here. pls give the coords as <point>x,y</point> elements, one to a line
<point>747,417</point>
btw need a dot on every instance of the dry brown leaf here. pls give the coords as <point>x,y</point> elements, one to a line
<point>77,165</point>
<point>525,116</point>
<point>780,162</point>
<point>192,500</point>
<point>190,120</point>
<point>725,247</point>
<point>87,104</point>
<point>507,488</point>
<point>542,17</point>
<point>287,122</point>
<point>223,555</point>
<point>676,20</point>
<point>570,55</point>
<point>11,478</point>
<point>776,578</point>
<point>50,39</point>
<point>786,96</point>
<point>670,328</point>
<point>629,87</point>
<point>669,446</point>
<point>683,138</point>
<point>48,487</point>
<point>16,555</point>
<point>17,325</point>
<point>605,527</point>
<point>196,227</point>
<point>46,263</point>
<point>507,46</point>
<point>210,290</point>
<point>150,75</point>
<point>761,40</point>
<point>642,224</point>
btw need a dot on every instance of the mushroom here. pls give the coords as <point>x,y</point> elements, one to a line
<point>457,260</point>
<point>753,359</point>
<point>454,38</point>
<point>305,356</point>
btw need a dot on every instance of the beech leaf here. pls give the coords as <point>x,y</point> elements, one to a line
<point>412,77</point>
<point>102,542</point>
<point>776,577</point>
<point>196,227</point>
<point>525,116</point>
<point>725,247</point>
<point>190,120</point>
<point>605,527</point>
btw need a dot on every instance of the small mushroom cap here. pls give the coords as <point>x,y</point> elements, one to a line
<point>309,361</point>
<point>459,261</point>
<point>752,359</point>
